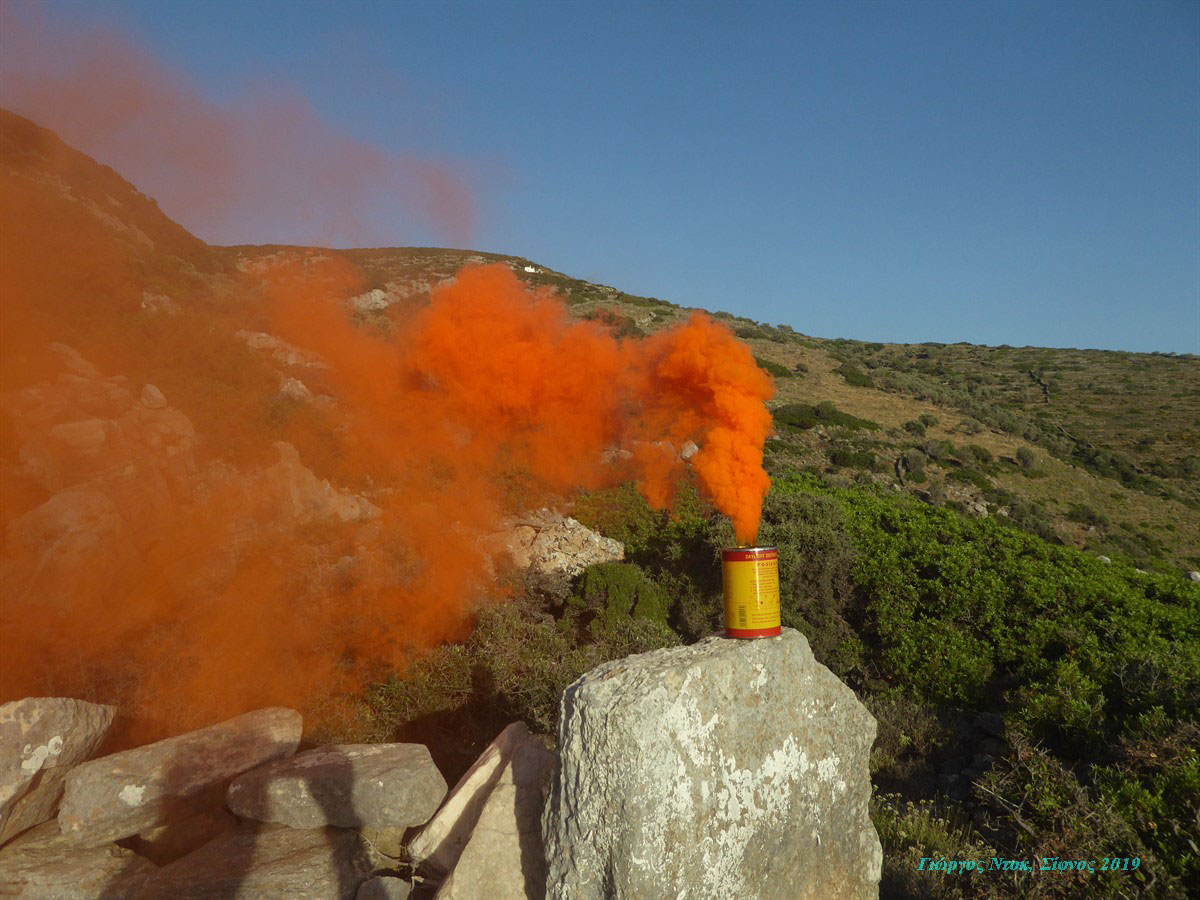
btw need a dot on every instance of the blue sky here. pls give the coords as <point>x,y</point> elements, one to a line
<point>1021,173</point>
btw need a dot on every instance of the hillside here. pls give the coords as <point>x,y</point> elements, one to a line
<point>203,511</point>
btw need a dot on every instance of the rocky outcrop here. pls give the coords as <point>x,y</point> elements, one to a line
<point>351,786</point>
<point>488,832</point>
<point>549,544</point>
<point>297,496</point>
<point>723,769</point>
<point>122,794</point>
<point>41,739</point>
<point>258,861</point>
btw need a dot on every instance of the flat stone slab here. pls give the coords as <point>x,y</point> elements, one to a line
<point>503,858</point>
<point>42,864</point>
<point>723,769</point>
<point>267,861</point>
<point>119,795</point>
<point>345,785</point>
<point>515,759</point>
<point>41,740</point>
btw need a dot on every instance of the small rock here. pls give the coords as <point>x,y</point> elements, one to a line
<point>982,761</point>
<point>1194,576</point>
<point>349,786</point>
<point>41,864</point>
<point>990,723</point>
<point>152,398</point>
<point>384,887</point>
<point>74,361</point>
<point>41,740</point>
<point>120,795</point>
<point>952,766</point>
<point>258,861</point>
<point>1104,559</point>
<point>689,450</point>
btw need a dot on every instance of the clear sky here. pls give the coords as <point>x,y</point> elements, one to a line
<point>1021,173</point>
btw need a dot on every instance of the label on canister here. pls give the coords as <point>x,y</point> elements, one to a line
<point>751,579</point>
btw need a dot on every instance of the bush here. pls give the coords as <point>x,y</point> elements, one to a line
<point>1027,458</point>
<point>912,426</point>
<point>914,461</point>
<point>1085,515</point>
<point>854,376</point>
<point>928,420</point>
<point>802,416</point>
<point>852,459</point>
<point>816,590</point>
<point>774,368</point>
<point>983,454</point>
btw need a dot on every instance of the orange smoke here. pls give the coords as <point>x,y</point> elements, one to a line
<point>219,491</point>
<point>264,168</point>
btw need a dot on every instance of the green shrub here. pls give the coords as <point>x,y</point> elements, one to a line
<point>802,416</point>
<point>914,461</point>
<point>983,454</point>
<point>774,368</point>
<point>912,426</point>
<point>853,459</point>
<point>1085,515</point>
<point>1026,457</point>
<point>928,420</point>
<point>854,376</point>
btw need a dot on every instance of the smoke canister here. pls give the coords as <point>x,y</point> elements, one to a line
<point>751,579</point>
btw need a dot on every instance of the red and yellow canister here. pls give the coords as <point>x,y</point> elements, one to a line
<point>751,579</point>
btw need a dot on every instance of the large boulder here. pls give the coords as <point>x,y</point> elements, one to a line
<point>504,858</point>
<point>516,760</point>
<point>350,786</point>
<point>724,769</point>
<point>119,795</point>
<point>259,861</point>
<point>42,864</point>
<point>41,740</point>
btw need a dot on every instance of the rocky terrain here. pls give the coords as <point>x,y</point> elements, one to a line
<point>727,767</point>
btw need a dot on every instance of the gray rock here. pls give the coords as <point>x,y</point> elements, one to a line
<point>547,543</point>
<point>41,740</point>
<point>42,864</point>
<point>503,858</point>
<point>259,861</point>
<point>689,450</point>
<point>724,769</point>
<point>152,398</point>
<point>1104,559</point>
<point>384,887</point>
<point>349,785</point>
<point>441,842</point>
<point>990,723</point>
<point>74,361</point>
<point>119,795</point>
<point>164,844</point>
<point>1194,576</point>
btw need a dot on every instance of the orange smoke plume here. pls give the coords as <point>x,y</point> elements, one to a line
<point>264,168</point>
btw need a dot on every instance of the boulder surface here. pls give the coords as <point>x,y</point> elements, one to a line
<point>491,831</point>
<point>41,740</point>
<point>42,864</point>
<point>259,861</point>
<point>348,785</point>
<point>119,795</point>
<point>724,769</point>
